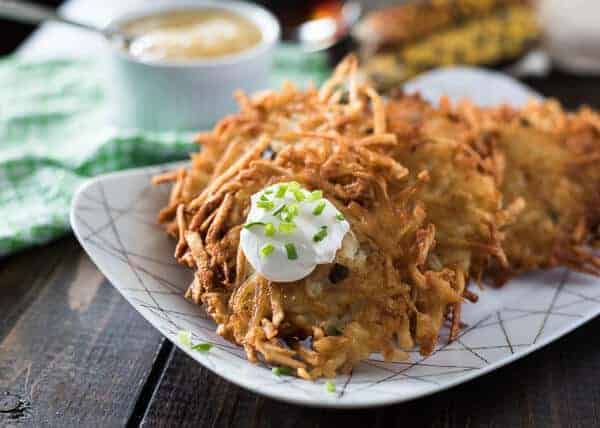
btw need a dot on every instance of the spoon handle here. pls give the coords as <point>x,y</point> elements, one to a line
<point>31,13</point>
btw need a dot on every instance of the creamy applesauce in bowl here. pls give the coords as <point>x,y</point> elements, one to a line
<point>190,34</point>
<point>180,61</point>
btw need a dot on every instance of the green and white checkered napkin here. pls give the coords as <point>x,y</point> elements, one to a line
<point>54,135</point>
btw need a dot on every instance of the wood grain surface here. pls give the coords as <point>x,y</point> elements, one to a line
<point>556,386</point>
<point>73,353</point>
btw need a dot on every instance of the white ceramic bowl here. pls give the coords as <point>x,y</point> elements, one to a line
<point>187,95</point>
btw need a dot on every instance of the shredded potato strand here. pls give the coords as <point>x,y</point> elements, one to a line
<point>428,193</point>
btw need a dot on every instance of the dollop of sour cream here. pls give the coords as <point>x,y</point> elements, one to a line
<point>290,230</point>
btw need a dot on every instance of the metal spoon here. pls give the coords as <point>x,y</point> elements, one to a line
<point>323,33</point>
<point>31,13</point>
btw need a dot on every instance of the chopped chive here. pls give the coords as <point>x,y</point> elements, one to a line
<point>330,386</point>
<point>185,338</point>
<point>202,347</point>
<point>266,205</point>
<point>264,197</point>
<point>266,250</point>
<point>321,234</point>
<point>281,371</point>
<point>340,217</point>
<point>291,251</point>
<point>253,223</point>
<point>287,227</point>
<point>278,211</point>
<point>319,208</point>
<point>281,190</point>
<point>269,229</point>
<point>298,194</point>
<point>315,195</point>
<point>293,210</point>
<point>294,185</point>
<point>268,191</point>
<point>290,212</point>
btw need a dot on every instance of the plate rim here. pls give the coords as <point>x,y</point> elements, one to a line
<point>330,404</point>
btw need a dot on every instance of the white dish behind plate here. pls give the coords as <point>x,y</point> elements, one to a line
<point>114,219</point>
<point>165,95</point>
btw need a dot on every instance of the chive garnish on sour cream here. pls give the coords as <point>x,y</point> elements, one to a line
<point>287,227</point>
<point>289,212</point>
<point>266,250</point>
<point>280,210</point>
<point>289,230</point>
<point>319,208</point>
<point>253,223</point>
<point>293,210</point>
<point>266,205</point>
<point>290,249</point>
<point>281,191</point>
<point>298,195</point>
<point>315,195</point>
<point>320,235</point>
<point>269,229</point>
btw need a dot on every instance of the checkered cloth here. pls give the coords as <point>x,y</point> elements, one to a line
<point>54,135</point>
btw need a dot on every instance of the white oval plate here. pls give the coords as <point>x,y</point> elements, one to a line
<point>113,217</point>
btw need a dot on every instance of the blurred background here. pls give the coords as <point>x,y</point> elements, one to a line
<point>537,41</point>
<point>13,33</point>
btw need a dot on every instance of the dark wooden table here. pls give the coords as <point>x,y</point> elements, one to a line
<point>74,353</point>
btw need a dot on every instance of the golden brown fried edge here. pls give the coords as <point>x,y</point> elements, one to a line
<point>550,160</point>
<point>322,139</point>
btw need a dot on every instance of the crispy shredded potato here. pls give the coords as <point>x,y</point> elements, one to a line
<point>379,294</point>
<point>461,198</point>
<point>548,161</point>
<point>543,161</point>
<point>434,197</point>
